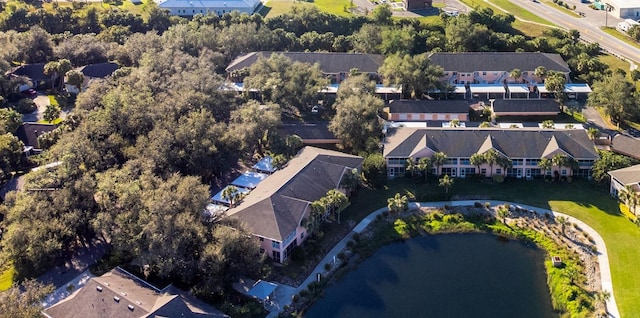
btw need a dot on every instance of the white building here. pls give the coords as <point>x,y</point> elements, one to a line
<point>219,7</point>
<point>624,8</point>
<point>621,178</point>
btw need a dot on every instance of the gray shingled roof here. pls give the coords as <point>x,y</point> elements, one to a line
<point>28,133</point>
<point>329,62</point>
<point>276,206</point>
<point>462,143</point>
<point>97,299</point>
<point>628,175</point>
<point>525,105</point>
<point>99,70</point>
<point>33,71</point>
<point>499,61</point>
<point>428,106</point>
<point>626,145</point>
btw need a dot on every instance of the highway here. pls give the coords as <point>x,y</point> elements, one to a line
<point>588,26</point>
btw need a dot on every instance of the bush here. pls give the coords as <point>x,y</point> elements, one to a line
<point>477,204</point>
<point>498,178</point>
<point>453,218</point>
<point>327,266</point>
<point>26,106</point>
<point>487,205</point>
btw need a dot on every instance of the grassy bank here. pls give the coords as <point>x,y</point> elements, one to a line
<point>568,297</point>
<point>580,199</point>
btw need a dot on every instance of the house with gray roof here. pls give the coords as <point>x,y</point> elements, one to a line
<point>626,145</point>
<point>334,65</point>
<point>525,107</point>
<point>494,67</point>
<point>274,211</point>
<point>621,178</point>
<point>423,110</point>
<point>189,8</point>
<point>523,147</point>
<point>119,294</point>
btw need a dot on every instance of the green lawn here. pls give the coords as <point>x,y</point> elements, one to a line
<point>126,5</point>
<point>6,278</point>
<point>580,199</point>
<point>526,28</point>
<point>621,36</point>
<point>274,8</point>
<point>563,9</point>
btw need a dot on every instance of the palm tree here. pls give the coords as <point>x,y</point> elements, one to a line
<point>593,133</point>
<point>545,164</point>
<point>398,203</point>
<point>503,213</point>
<point>505,163</point>
<point>540,72</point>
<point>410,165</point>
<point>446,182</point>
<point>477,160</point>
<point>547,124</point>
<point>336,202</point>
<point>491,158</point>
<point>424,165</point>
<point>454,123</point>
<point>438,159</point>
<point>485,124</point>
<point>560,160</point>
<point>515,74</point>
<point>230,194</point>
<point>629,196</point>
<point>563,223</point>
<point>318,210</point>
<point>351,181</point>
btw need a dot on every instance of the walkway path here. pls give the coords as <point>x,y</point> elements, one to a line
<point>285,293</point>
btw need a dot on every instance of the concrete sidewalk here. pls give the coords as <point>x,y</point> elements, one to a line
<point>284,297</point>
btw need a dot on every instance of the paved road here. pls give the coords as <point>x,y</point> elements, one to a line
<point>589,26</point>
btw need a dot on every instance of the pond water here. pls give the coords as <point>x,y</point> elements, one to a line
<point>452,275</point>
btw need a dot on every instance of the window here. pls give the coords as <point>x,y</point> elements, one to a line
<point>533,162</point>
<point>275,244</point>
<point>451,161</point>
<point>302,235</point>
<point>483,171</point>
<point>563,172</point>
<point>465,161</point>
<point>261,250</point>
<point>276,255</point>
<point>484,73</point>
<point>517,162</point>
<point>498,171</point>
<point>262,239</point>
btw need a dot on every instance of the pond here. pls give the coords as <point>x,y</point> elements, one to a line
<point>452,275</point>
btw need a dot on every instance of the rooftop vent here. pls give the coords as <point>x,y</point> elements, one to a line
<point>116,298</point>
<point>130,307</point>
<point>99,288</point>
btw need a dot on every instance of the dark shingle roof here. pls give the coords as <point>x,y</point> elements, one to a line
<point>98,299</point>
<point>525,105</point>
<point>99,70</point>
<point>626,145</point>
<point>499,61</point>
<point>33,71</point>
<point>28,133</point>
<point>428,106</point>
<point>462,143</point>
<point>276,206</point>
<point>329,62</point>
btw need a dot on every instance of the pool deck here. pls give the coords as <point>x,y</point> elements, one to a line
<point>283,293</point>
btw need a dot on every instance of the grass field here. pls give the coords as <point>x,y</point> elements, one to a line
<point>580,199</point>
<point>274,8</point>
<point>621,36</point>
<point>519,12</point>
<point>563,9</point>
<point>126,5</point>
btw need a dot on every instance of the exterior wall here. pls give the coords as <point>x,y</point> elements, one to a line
<point>615,187</point>
<point>428,116</point>
<point>269,246</point>
<point>526,168</point>
<point>625,13</point>
<point>191,11</point>
<point>526,113</point>
<point>489,77</point>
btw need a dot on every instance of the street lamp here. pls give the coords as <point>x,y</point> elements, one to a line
<point>607,7</point>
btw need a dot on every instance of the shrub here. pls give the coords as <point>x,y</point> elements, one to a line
<point>477,204</point>
<point>487,205</point>
<point>327,266</point>
<point>385,214</point>
<point>342,256</point>
<point>453,218</point>
<point>498,179</point>
<point>356,237</point>
<point>26,106</point>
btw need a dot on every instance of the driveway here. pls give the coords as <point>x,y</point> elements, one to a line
<point>42,101</point>
<point>79,262</point>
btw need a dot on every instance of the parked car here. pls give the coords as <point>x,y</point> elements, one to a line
<point>29,92</point>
